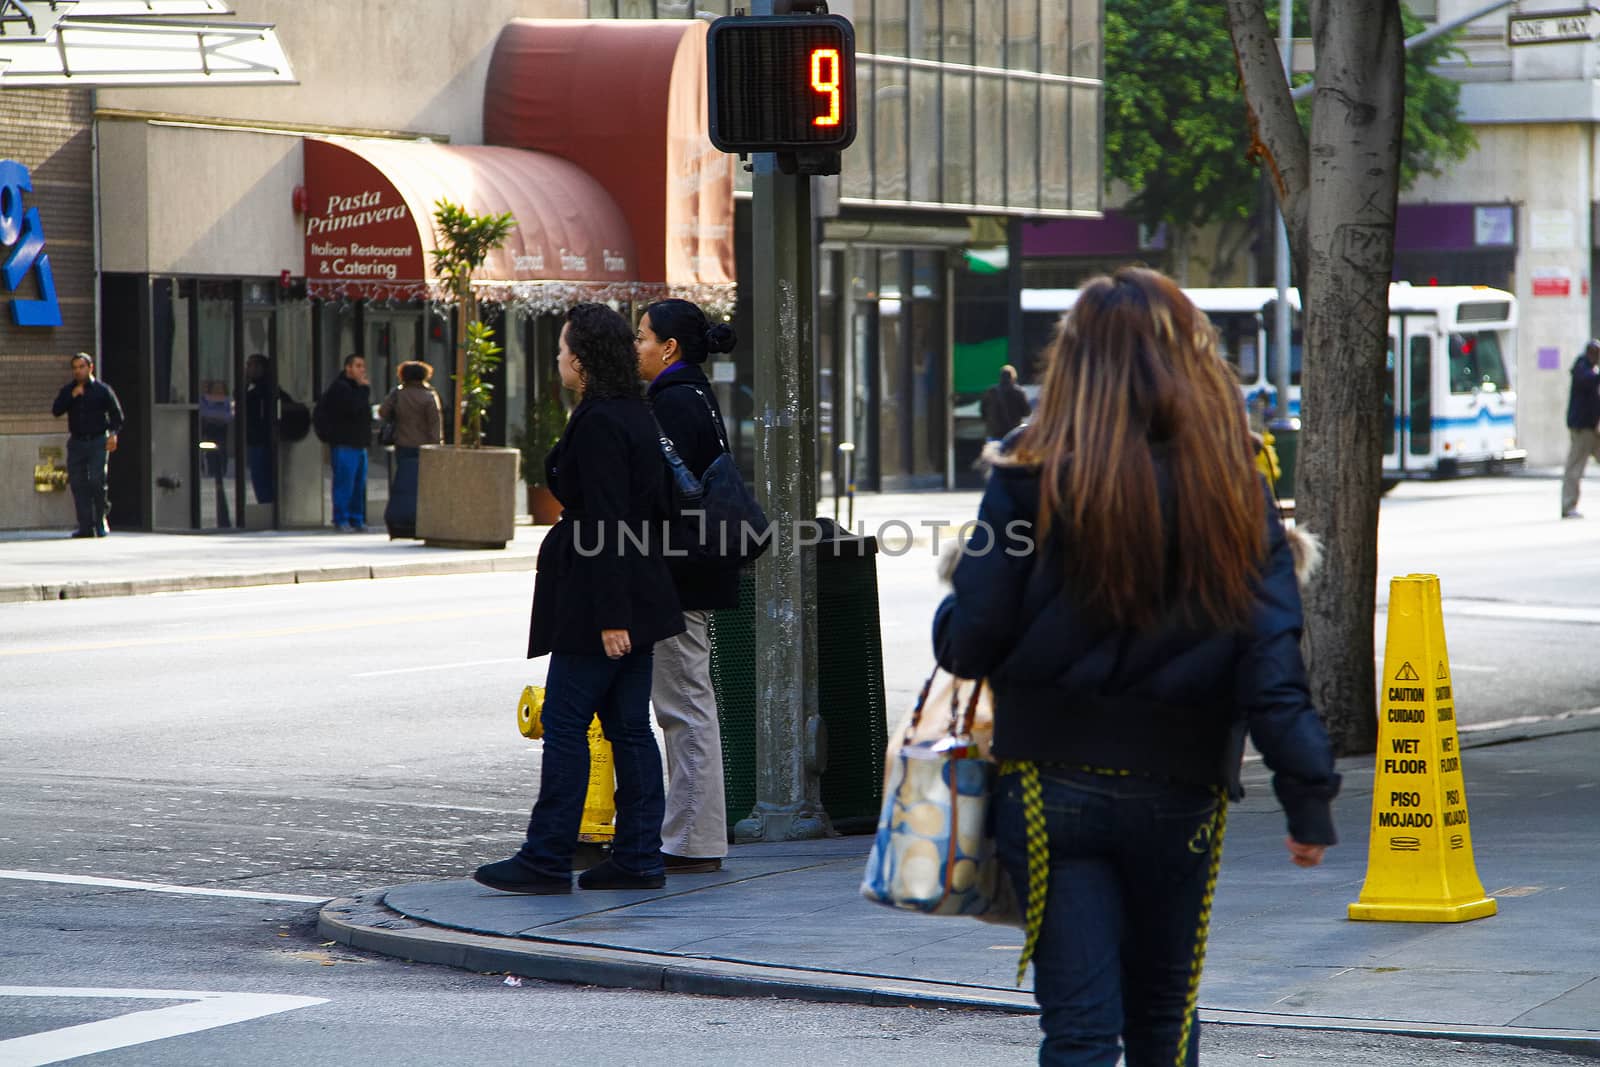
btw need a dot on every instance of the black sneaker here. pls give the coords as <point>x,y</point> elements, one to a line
<point>514,876</point>
<point>608,875</point>
<point>690,864</point>
<point>589,854</point>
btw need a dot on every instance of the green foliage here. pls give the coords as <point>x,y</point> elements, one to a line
<point>465,241</point>
<point>1176,131</point>
<point>546,421</point>
<point>483,355</point>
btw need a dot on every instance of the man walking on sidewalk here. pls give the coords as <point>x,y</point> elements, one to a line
<point>1583,425</point>
<point>347,419</point>
<point>94,418</point>
<point>1004,405</point>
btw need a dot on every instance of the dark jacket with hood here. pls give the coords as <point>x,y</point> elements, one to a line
<point>609,474</point>
<point>1173,702</point>
<point>686,408</point>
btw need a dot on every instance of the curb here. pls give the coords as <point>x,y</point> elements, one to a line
<point>17,594</point>
<point>364,922</point>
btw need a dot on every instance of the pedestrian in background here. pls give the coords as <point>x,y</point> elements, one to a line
<point>1004,405</point>
<point>261,395</point>
<point>413,406</point>
<point>345,422</point>
<point>1583,426</point>
<point>674,339</point>
<point>1155,618</point>
<point>94,418</point>
<point>602,599</point>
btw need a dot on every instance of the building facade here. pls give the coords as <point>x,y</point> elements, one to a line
<point>249,238</point>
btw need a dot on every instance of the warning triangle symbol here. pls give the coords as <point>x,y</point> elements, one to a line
<point>1443,671</point>
<point>1406,673</point>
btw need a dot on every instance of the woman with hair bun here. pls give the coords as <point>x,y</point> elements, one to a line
<point>674,339</point>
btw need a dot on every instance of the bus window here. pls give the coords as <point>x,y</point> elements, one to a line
<point>1476,363</point>
<point>1236,342</point>
<point>1421,395</point>
<point>1388,400</point>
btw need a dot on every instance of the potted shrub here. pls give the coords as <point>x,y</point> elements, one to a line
<point>466,493</point>
<point>547,418</point>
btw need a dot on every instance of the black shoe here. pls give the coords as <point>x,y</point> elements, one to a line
<point>609,876</point>
<point>514,876</point>
<point>82,533</point>
<point>690,864</point>
<point>102,532</point>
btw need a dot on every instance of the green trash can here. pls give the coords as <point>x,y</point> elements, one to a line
<point>1286,440</point>
<point>850,690</point>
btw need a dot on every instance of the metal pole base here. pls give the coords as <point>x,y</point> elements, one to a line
<point>788,822</point>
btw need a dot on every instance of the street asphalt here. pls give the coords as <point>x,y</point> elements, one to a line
<point>786,919</point>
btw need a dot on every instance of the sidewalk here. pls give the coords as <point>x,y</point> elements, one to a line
<point>48,565</point>
<point>51,566</point>
<point>786,920</point>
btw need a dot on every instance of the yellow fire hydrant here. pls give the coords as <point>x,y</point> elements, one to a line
<point>599,806</point>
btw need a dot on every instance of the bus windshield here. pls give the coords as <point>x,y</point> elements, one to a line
<point>1476,363</point>
<point>1237,332</point>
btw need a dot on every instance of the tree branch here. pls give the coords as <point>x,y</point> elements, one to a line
<point>1277,137</point>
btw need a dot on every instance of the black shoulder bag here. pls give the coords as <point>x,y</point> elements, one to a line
<point>716,517</point>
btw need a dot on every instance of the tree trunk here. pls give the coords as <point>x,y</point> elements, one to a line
<point>1182,248</point>
<point>1355,181</point>
<point>1338,190</point>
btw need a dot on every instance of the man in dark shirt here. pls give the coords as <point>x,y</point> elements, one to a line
<point>94,417</point>
<point>1004,406</point>
<point>349,413</point>
<point>1583,425</point>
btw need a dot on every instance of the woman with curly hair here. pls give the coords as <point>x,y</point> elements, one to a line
<point>1152,618</point>
<point>602,599</point>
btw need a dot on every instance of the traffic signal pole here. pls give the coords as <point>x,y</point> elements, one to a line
<point>790,742</point>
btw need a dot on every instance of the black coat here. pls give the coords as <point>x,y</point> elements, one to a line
<point>1071,688</point>
<point>687,410</point>
<point>1583,402</point>
<point>609,475</point>
<point>349,408</point>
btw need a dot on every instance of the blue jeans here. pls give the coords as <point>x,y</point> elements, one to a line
<point>349,486</point>
<point>577,688</point>
<point>86,474</point>
<point>259,458</point>
<point>1133,864</point>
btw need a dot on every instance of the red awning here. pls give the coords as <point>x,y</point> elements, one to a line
<point>626,100</point>
<point>369,222</point>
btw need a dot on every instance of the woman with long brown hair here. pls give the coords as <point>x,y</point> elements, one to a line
<point>1132,600</point>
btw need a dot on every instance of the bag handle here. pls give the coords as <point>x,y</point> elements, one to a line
<point>716,419</point>
<point>960,722</point>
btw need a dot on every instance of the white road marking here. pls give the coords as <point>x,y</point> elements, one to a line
<point>1489,609</point>
<point>438,667</point>
<point>157,887</point>
<point>204,1011</point>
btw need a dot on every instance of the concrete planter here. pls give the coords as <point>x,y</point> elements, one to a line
<point>467,497</point>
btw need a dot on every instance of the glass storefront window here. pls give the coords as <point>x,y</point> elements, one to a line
<point>1086,54</point>
<point>1055,37</point>
<point>989,151</point>
<point>636,9</point>
<point>170,324</point>
<point>602,9</point>
<point>927,358</point>
<point>889,21</point>
<point>957,159</point>
<point>957,31</point>
<point>1086,149</point>
<point>925,31</point>
<point>215,310</point>
<point>1022,34</point>
<point>894,401</point>
<point>1022,143</point>
<point>1055,128</point>
<point>889,132</point>
<point>855,178</point>
<point>674,9</point>
<point>925,149</point>
<point>990,37</point>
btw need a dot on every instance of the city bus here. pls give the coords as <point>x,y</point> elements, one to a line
<point>1450,404</point>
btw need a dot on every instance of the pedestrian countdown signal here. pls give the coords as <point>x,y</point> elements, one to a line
<point>782,83</point>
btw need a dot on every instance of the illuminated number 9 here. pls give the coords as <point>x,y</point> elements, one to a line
<point>825,79</point>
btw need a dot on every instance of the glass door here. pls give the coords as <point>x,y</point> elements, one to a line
<point>218,445</point>
<point>259,496</point>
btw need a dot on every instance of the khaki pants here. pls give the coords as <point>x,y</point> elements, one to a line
<point>1585,443</point>
<point>696,822</point>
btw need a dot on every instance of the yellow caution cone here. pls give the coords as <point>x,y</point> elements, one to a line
<point>1419,857</point>
<point>599,805</point>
